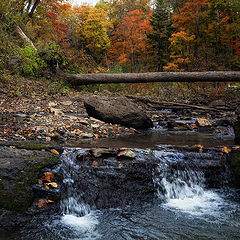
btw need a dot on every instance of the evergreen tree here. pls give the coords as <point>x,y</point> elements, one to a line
<point>161,32</point>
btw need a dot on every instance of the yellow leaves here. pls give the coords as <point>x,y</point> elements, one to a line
<point>54,151</point>
<point>42,203</point>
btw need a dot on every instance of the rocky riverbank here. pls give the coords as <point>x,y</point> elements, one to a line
<point>31,128</point>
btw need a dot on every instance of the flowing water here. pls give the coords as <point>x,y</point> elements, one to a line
<point>182,209</point>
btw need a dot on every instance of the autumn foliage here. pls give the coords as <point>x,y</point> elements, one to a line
<point>122,36</point>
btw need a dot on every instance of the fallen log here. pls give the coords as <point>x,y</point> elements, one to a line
<point>172,105</point>
<point>214,76</point>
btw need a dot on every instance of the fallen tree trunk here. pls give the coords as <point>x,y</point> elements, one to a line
<point>85,79</point>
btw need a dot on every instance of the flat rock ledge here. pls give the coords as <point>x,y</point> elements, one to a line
<point>19,170</point>
<point>117,110</point>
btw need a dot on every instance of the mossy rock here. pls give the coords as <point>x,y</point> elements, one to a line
<point>30,145</point>
<point>235,164</point>
<point>19,170</point>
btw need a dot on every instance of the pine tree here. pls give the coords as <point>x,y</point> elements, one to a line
<point>161,32</point>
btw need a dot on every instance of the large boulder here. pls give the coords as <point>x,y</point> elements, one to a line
<point>117,111</point>
<point>19,170</point>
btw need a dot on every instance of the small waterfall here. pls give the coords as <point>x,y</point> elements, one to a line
<point>75,212</point>
<point>182,187</point>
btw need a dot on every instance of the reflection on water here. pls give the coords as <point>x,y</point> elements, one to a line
<point>150,139</point>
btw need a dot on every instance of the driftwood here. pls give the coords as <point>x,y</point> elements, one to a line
<point>85,79</point>
<point>164,104</point>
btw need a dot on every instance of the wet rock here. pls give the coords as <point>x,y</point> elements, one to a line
<point>103,152</point>
<point>86,135</point>
<point>224,122</point>
<point>234,159</point>
<point>117,111</point>
<point>19,170</point>
<point>126,154</point>
<point>113,182</point>
<point>203,122</point>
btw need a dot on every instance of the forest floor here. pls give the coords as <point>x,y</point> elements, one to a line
<point>51,112</point>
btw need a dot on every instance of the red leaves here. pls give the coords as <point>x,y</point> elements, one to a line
<point>130,37</point>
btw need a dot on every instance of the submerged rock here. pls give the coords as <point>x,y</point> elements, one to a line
<point>117,111</point>
<point>19,170</point>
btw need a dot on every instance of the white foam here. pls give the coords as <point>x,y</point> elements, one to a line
<point>207,203</point>
<point>84,224</point>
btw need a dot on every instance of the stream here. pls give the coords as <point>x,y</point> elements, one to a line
<point>183,207</point>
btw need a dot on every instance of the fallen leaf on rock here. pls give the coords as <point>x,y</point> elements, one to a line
<point>12,147</point>
<point>95,164</point>
<point>52,184</point>
<point>42,203</point>
<point>158,168</point>
<point>54,151</point>
<point>47,187</point>
<point>200,147</point>
<point>120,165</point>
<point>226,149</point>
<point>65,152</point>
<point>46,178</point>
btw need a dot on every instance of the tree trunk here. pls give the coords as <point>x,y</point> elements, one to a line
<point>24,37</point>
<point>85,79</point>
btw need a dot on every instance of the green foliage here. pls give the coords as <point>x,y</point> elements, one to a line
<point>31,65</point>
<point>52,55</point>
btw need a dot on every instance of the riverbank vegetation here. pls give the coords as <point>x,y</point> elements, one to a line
<point>39,38</point>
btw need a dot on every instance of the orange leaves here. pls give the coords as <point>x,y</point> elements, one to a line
<point>47,180</point>
<point>130,38</point>
<point>236,147</point>
<point>225,150</point>
<point>47,176</point>
<point>200,147</point>
<point>54,151</point>
<point>95,164</point>
<point>51,184</point>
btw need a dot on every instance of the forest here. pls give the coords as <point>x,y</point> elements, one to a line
<point>120,120</point>
<point>118,36</point>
